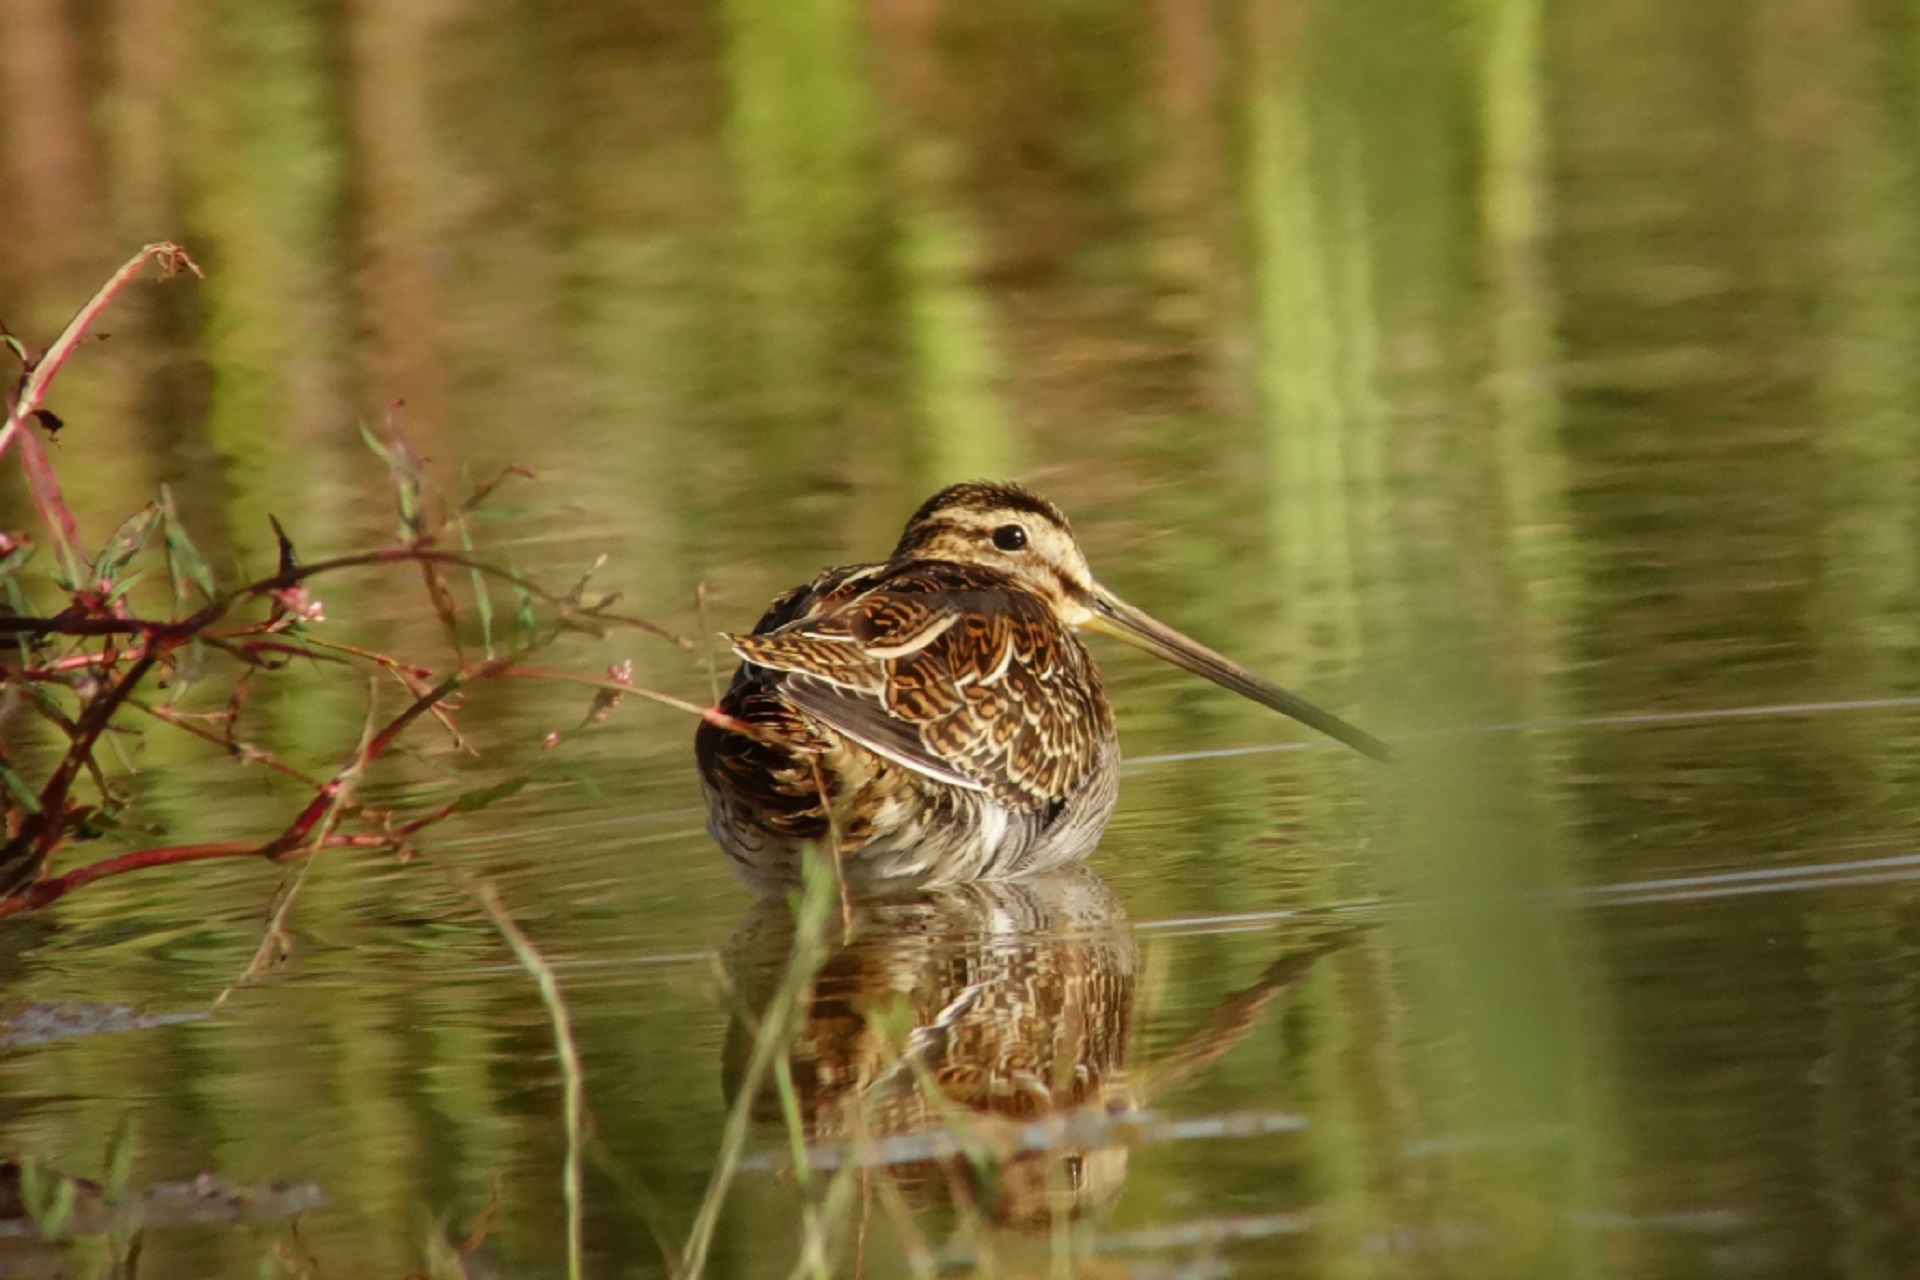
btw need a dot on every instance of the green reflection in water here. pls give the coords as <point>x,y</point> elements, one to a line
<point>1488,990</point>
<point>264,147</point>
<point>262,157</point>
<point>1312,298</point>
<point>801,135</point>
<point>963,425</point>
<point>1868,1143</point>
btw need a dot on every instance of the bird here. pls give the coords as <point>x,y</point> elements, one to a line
<point>934,718</point>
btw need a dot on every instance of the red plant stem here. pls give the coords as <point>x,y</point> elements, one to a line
<point>711,714</point>
<point>37,836</point>
<point>288,842</point>
<point>225,742</point>
<point>25,856</point>
<point>47,671</point>
<point>53,509</point>
<point>194,623</point>
<point>52,890</point>
<point>41,484</point>
<point>409,672</point>
<point>245,647</point>
<point>426,702</point>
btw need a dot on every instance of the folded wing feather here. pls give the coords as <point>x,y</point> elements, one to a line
<point>939,677</point>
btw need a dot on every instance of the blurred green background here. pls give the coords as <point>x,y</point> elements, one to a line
<point>1536,381</point>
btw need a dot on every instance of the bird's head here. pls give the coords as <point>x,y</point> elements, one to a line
<point>1023,536</point>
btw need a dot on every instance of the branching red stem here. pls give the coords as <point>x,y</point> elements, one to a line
<point>25,855</point>
<point>57,887</point>
<point>132,649</point>
<point>177,629</point>
<point>294,838</point>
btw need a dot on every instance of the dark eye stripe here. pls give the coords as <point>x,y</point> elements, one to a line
<point>1069,589</point>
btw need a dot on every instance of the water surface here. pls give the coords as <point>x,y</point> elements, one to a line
<point>1532,383</point>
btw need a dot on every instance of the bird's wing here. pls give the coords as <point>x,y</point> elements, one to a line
<point>950,672</point>
<point>863,718</point>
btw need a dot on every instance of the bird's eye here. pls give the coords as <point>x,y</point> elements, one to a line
<point>1010,537</point>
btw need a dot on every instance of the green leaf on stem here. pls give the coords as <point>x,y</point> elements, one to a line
<point>408,480</point>
<point>126,543</point>
<point>18,788</point>
<point>46,1195</point>
<point>526,616</point>
<point>479,798</point>
<point>120,1154</point>
<point>15,559</point>
<point>408,487</point>
<point>482,599</point>
<point>123,585</point>
<point>41,699</point>
<point>373,443</point>
<point>185,564</point>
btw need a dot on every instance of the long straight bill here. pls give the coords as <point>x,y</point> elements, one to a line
<point>1117,618</point>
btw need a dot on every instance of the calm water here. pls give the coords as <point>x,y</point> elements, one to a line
<point>1533,383</point>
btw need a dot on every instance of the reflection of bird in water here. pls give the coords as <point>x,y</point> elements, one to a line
<point>962,1015</point>
<point>1011,999</point>
<point>937,714</point>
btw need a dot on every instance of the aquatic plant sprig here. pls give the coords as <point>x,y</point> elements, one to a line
<point>77,667</point>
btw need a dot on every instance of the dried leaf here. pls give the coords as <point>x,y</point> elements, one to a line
<point>482,1224</point>
<point>605,700</point>
<point>444,607</point>
<point>289,558</point>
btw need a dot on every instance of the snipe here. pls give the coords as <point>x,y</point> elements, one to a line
<point>936,714</point>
